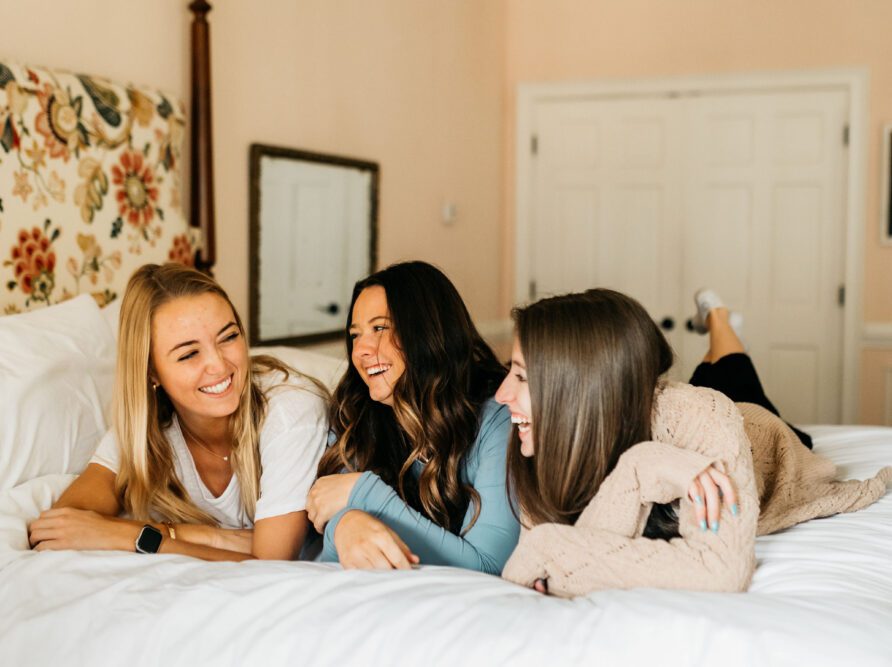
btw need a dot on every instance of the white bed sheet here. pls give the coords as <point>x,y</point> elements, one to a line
<point>822,595</point>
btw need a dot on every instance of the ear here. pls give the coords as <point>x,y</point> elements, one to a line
<point>153,377</point>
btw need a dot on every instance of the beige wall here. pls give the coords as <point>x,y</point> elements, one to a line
<point>563,40</point>
<point>414,85</point>
<point>427,88</point>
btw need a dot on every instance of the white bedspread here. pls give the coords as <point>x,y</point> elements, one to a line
<point>822,595</point>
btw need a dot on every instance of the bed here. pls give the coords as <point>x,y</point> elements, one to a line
<point>90,182</point>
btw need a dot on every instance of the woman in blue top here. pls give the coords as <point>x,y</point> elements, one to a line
<point>417,469</point>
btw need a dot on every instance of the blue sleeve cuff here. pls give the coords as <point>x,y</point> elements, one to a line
<point>329,552</point>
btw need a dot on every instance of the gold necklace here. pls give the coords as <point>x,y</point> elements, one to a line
<point>191,436</point>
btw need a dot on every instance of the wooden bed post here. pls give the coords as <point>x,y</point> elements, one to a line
<point>201,197</point>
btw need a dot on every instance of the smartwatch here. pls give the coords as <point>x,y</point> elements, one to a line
<point>149,540</point>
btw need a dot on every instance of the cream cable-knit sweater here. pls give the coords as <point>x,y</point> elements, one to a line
<point>693,427</point>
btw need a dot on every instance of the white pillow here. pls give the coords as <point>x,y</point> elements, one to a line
<point>56,373</point>
<point>328,370</point>
<point>112,313</point>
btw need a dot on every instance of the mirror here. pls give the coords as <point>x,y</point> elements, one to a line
<point>313,235</point>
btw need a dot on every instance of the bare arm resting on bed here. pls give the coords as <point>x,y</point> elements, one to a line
<point>85,517</point>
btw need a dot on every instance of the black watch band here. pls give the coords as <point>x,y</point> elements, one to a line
<point>149,540</point>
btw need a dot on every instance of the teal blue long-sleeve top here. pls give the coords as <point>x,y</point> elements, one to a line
<point>487,545</point>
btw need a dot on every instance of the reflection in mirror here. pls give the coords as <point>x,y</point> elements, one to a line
<point>313,235</point>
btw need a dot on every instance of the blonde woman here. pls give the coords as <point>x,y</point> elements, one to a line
<point>212,452</point>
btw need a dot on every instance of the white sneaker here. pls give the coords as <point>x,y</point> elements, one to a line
<point>707,299</point>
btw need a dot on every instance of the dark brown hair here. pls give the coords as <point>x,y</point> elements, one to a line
<point>450,373</point>
<point>593,360</point>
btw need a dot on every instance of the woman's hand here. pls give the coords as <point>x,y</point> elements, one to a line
<point>708,490</point>
<point>364,542</point>
<point>328,496</point>
<point>69,528</point>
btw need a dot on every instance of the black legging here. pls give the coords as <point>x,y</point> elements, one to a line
<point>735,376</point>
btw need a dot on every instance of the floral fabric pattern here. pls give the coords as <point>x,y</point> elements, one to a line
<point>89,181</point>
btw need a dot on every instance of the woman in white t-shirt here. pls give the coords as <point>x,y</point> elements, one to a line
<point>212,452</point>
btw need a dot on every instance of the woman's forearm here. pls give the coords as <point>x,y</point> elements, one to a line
<point>240,540</point>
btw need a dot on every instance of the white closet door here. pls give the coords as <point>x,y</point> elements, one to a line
<point>764,225</point>
<point>657,196</point>
<point>606,207</point>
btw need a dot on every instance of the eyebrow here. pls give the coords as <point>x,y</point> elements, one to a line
<point>517,363</point>
<point>354,325</point>
<point>193,342</point>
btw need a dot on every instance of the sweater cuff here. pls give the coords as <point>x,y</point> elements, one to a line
<point>527,563</point>
<point>665,472</point>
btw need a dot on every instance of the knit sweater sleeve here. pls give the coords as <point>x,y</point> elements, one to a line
<point>605,548</point>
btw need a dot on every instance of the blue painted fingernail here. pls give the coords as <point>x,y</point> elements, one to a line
<point>703,524</point>
<point>715,526</point>
<point>735,510</point>
<point>698,500</point>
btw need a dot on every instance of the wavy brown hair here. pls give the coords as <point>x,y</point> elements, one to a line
<point>593,361</point>
<point>437,401</point>
<point>147,482</point>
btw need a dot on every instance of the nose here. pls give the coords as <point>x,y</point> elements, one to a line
<point>505,392</point>
<point>364,346</point>
<point>215,364</point>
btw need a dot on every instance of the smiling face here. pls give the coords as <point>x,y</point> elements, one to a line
<point>199,357</point>
<point>515,393</point>
<point>376,356</point>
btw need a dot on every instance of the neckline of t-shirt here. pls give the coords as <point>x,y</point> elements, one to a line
<point>179,443</point>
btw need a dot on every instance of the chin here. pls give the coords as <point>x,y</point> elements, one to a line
<point>527,449</point>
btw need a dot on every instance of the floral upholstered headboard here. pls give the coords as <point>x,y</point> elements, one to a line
<point>90,185</point>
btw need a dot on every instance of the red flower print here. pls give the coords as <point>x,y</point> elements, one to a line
<point>34,263</point>
<point>137,194</point>
<point>181,251</point>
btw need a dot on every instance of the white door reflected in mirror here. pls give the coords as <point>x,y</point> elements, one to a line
<point>312,237</point>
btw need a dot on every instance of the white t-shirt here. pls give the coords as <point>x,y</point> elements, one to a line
<point>292,439</point>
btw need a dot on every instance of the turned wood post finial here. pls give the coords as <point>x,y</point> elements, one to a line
<point>201,198</point>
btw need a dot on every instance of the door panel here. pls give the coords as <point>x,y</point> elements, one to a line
<point>659,196</point>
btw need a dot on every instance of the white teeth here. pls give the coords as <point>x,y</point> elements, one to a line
<point>377,370</point>
<point>522,423</point>
<point>218,388</point>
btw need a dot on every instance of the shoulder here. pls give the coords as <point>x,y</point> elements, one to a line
<point>677,398</point>
<point>292,403</point>
<point>493,430</point>
<point>493,415</point>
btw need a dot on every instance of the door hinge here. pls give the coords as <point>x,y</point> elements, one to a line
<point>841,295</point>
<point>532,290</point>
<point>845,135</point>
<point>534,145</point>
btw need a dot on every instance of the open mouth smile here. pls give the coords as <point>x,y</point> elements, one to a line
<point>522,423</point>
<point>218,388</point>
<point>372,371</point>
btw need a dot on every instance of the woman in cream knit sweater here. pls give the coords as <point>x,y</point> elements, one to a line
<point>614,468</point>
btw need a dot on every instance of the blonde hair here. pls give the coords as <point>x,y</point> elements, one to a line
<point>146,481</point>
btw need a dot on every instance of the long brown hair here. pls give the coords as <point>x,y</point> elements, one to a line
<point>593,360</point>
<point>450,373</point>
<point>147,482</point>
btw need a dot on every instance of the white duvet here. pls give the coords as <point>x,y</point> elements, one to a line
<point>822,595</point>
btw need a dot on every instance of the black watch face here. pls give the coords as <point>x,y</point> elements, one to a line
<point>149,540</point>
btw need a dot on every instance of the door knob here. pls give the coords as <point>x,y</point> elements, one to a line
<point>331,309</point>
<point>667,324</point>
